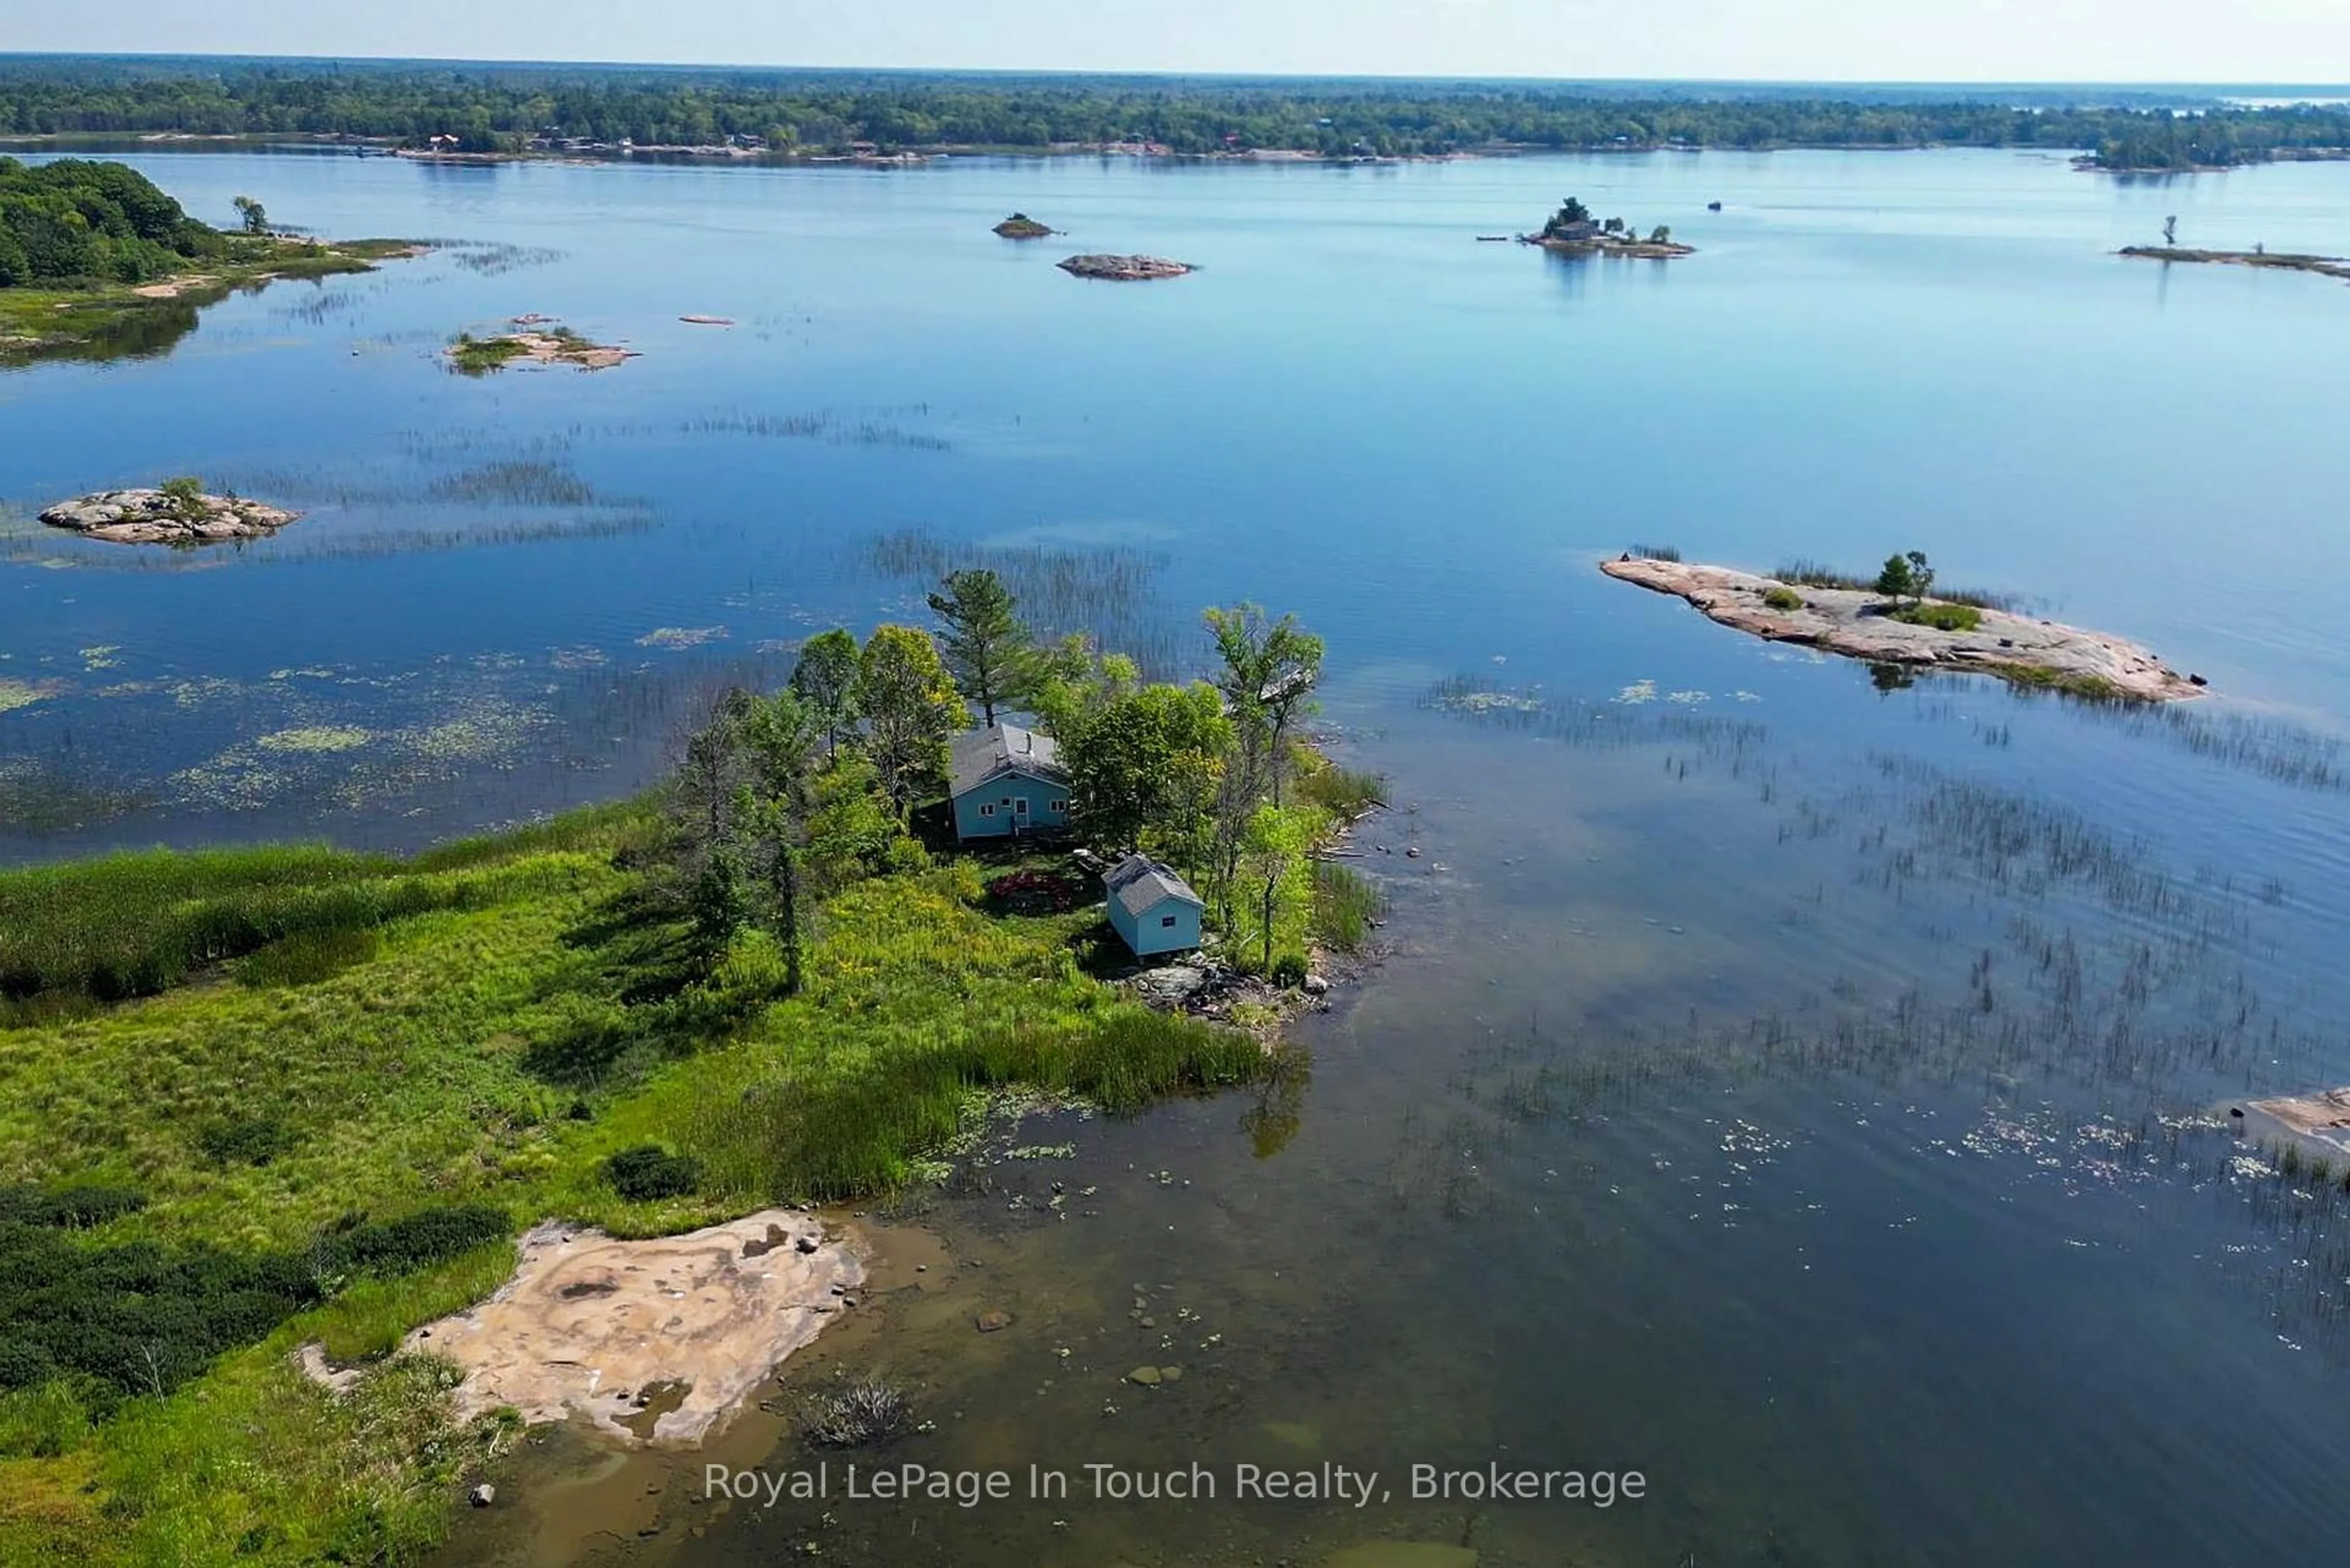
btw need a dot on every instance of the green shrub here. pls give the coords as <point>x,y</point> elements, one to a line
<point>649,1172</point>
<point>1940,617</point>
<point>1783,598</point>
<point>1655,553</point>
<point>68,1208</point>
<point>1289,971</point>
<point>416,1241</point>
<point>247,1140</point>
<point>307,958</point>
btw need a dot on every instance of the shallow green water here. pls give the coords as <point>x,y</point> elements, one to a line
<point>1785,1088</point>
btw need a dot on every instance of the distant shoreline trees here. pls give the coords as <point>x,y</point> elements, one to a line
<point>509,109</point>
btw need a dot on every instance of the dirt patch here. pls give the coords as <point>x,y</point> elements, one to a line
<point>652,1342</point>
<point>173,289</point>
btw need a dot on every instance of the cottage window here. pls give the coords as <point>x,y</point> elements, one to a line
<point>986,810</point>
<point>1167,922</point>
<point>1057,805</point>
<point>1020,806</point>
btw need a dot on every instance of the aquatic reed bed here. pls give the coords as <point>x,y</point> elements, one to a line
<point>520,482</point>
<point>1108,592</point>
<point>1347,906</point>
<point>822,425</point>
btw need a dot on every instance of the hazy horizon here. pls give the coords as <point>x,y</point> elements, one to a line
<point>2085,43</point>
<point>583,62</point>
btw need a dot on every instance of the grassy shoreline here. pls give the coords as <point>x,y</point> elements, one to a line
<point>269,1047</point>
<point>115,320</point>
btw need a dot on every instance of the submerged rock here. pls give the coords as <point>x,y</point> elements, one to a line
<point>151,517</point>
<point>1123,269</point>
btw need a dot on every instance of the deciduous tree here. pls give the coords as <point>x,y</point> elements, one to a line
<point>826,679</point>
<point>911,707</point>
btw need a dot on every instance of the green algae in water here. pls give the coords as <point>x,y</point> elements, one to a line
<point>15,694</point>
<point>681,637</point>
<point>316,737</point>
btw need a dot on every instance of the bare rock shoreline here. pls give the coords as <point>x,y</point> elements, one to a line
<point>659,1341</point>
<point>1850,621</point>
<point>151,517</point>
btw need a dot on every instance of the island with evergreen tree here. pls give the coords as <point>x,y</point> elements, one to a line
<point>1573,230</point>
<point>1897,621</point>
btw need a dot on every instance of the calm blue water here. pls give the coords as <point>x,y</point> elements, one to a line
<point>1785,1087</point>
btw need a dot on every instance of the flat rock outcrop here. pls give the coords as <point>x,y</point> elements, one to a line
<point>1123,269</point>
<point>1853,622</point>
<point>151,517</point>
<point>656,1341</point>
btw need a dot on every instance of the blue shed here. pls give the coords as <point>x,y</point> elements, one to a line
<point>1153,908</point>
<point>1005,780</point>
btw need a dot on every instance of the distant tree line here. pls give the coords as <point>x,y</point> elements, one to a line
<point>504,108</point>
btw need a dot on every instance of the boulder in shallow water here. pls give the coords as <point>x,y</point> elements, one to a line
<point>151,517</point>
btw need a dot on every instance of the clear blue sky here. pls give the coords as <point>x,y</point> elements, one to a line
<point>1906,40</point>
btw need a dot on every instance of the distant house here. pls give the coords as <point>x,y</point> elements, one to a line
<point>1005,780</point>
<point>1572,234</point>
<point>1152,907</point>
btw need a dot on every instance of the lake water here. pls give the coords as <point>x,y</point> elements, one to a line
<point>1792,1090</point>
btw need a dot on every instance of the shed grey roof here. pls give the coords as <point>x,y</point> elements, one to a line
<point>983,754</point>
<point>1138,883</point>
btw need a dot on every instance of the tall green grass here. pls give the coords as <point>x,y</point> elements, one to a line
<point>1346,903</point>
<point>1345,793</point>
<point>135,924</point>
<point>394,1052</point>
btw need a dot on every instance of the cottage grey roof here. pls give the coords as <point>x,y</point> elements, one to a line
<point>1139,882</point>
<point>979,755</point>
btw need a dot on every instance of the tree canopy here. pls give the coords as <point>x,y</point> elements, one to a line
<point>77,221</point>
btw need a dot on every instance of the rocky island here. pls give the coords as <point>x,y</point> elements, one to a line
<point>2282,261</point>
<point>535,340</point>
<point>179,513</point>
<point>1861,622</point>
<point>1123,269</point>
<point>1574,231</point>
<point>1021,226</point>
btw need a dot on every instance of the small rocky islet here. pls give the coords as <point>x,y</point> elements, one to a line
<point>159,517</point>
<point>1021,226</point>
<point>1124,269</point>
<point>1856,622</point>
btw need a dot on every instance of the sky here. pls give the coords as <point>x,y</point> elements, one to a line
<point>2299,41</point>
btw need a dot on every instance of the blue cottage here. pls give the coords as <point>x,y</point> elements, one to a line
<point>1005,780</point>
<point>1152,907</point>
